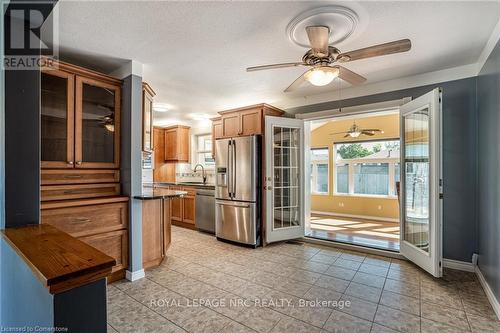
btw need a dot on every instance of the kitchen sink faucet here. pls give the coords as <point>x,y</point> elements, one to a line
<point>202,172</point>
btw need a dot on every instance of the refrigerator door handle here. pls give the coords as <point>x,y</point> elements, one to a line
<point>229,169</point>
<point>233,182</point>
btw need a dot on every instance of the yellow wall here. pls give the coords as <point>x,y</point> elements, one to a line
<point>354,205</point>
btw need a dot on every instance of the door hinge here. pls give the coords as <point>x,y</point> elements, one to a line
<point>441,196</point>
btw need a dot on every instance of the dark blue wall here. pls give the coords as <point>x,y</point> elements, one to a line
<point>459,158</point>
<point>488,102</point>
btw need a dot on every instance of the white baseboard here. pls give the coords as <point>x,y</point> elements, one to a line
<point>459,265</point>
<point>364,217</point>
<point>489,293</point>
<point>134,276</point>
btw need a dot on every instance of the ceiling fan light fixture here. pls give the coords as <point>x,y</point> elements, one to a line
<point>354,134</point>
<point>321,76</point>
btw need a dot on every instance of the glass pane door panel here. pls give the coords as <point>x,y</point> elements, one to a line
<point>286,145</point>
<point>54,118</point>
<point>416,172</point>
<point>98,124</point>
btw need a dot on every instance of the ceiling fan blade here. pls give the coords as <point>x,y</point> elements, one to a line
<point>349,76</point>
<point>338,133</point>
<point>347,135</point>
<point>318,38</point>
<point>398,46</point>
<point>372,130</point>
<point>297,83</point>
<point>367,133</point>
<point>275,66</point>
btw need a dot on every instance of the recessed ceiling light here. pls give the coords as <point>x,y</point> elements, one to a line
<point>160,107</point>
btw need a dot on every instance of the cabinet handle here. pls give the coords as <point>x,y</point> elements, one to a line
<point>78,162</point>
<point>79,220</point>
<point>70,162</point>
<point>72,176</point>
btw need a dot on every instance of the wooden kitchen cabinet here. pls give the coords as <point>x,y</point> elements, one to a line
<point>101,223</point>
<point>80,118</point>
<point>216,132</point>
<point>147,117</point>
<point>156,231</point>
<point>163,171</point>
<point>245,121</point>
<point>80,152</point>
<point>152,233</point>
<point>177,143</point>
<point>183,210</point>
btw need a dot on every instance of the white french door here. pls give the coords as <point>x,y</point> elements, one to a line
<point>285,178</point>
<point>421,182</point>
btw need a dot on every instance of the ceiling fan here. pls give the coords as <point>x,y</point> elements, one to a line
<point>322,58</point>
<point>355,131</point>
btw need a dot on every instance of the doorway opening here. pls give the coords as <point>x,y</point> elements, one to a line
<point>355,175</point>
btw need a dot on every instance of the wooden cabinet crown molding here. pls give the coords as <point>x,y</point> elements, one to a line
<point>263,106</point>
<point>50,63</point>
<point>148,88</point>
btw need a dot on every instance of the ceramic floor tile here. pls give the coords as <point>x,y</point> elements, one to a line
<point>483,325</point>
<point>340,322</point>
<point>397,320</point>
<point>205,321</point>
<point>365,292</point>
<point>333,283</point>
<point>430,326</point>
<point>235,327</point>
<point>110,329</point>
<point>478,305</point>
<point>341,273</point>
<point>344,263</point>
<point>259,319</point>
<point>445,315</point>
<point>290,325</point>
<point>305,276</point>
<point>401,287</point>
<point>377,261</point>
<point>323,294</point>
<point>373,269</point>
<point>369,279</point>
<point>324,259</point>
<point>140,320</point>
<point>377,328</point>
<point>358,307</point>
<point>400,302</point>
<point>354,256</point>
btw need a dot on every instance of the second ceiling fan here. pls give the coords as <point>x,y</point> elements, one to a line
<point>322,58</point>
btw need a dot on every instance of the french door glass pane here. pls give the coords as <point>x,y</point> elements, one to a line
<point>416,166</point>
<point>286,177</point>
<point>54,131</point>
<point>98,124</point>
<point>322,178</point>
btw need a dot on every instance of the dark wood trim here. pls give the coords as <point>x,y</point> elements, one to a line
<point>263,106</point>
<point>59,261</point>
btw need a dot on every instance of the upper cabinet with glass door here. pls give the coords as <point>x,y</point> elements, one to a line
<point>97,124</point>
<point>57,119</point>
<point>147,117</point>
<point>80,118</point>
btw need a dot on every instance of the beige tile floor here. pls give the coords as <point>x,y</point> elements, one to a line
<point>263,290</point>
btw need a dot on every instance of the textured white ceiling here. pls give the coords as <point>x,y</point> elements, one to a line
<point>195,53</point>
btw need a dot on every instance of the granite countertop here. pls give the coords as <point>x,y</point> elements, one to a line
<point>150,193</point>
<point>197,185</point>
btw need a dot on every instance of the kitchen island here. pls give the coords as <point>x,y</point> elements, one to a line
<point>156,224</point>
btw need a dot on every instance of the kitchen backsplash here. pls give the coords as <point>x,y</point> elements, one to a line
<point>184,173</point>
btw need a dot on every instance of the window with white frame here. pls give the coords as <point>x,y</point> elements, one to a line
<point>204,150</point>
<point>367,168</point>
<point>319,170</point>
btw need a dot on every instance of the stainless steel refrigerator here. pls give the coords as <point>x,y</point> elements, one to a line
<point>237,194</point>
